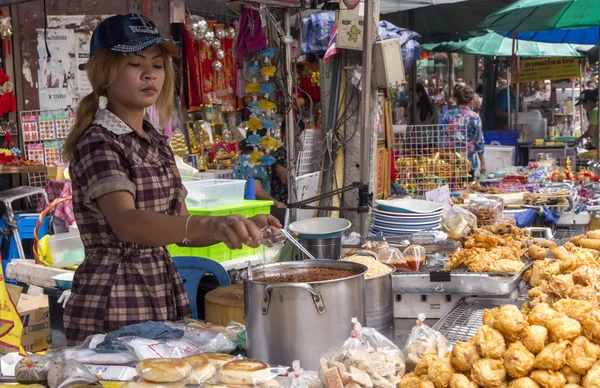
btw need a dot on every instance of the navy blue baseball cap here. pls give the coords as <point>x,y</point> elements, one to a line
<point>129,35</point>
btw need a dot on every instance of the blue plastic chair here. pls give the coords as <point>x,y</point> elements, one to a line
<point>192,269</point>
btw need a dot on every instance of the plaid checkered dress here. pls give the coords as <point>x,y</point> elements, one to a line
<point>118,283</point>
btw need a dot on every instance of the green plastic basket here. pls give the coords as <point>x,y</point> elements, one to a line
<point>220,252</point>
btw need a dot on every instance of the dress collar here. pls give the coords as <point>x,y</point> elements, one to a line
<point>113,123</point>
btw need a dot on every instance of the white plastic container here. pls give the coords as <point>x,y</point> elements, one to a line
<point>66,249</point>
<point>209,193</point>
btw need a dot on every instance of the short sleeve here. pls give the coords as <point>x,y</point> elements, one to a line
<point>479,141</point>
<point>594,117</point>
<point>99,167</point>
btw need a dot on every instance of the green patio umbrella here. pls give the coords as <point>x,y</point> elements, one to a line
<point>541,15</point>
<point>496,45</point>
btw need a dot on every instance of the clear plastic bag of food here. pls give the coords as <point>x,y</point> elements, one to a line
<point>89,356</point>
<point>458,222</point>
<point>421,341</point>
<point>231,331</point>
<point>299,378</point>
<point>33,369</point>
<point>209,338</point>
<point>71,373</point>
<point>163,370</point>
<point>351,363</point>
<point>242,372</point>
<point>487,209</point>
<point>386,357</point>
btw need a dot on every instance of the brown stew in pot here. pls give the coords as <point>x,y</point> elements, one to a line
<point>305,275</point>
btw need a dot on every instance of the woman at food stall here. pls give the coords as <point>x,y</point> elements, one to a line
<point>465,116</point>
<point>128,198</point>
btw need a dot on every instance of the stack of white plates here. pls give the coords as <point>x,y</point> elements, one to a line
<point>405,216</point>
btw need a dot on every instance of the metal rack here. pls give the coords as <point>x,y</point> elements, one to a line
<point>561,236</point>
<point>430,156</point>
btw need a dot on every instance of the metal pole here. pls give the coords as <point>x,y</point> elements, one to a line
<point>597,134</point>
<point>517,99</point>
<point>508,97</point>
<point>290,131</point>
<point>366,130</point>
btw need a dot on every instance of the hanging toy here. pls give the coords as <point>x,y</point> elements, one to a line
<point>209,37</point>
<point>230,33</point>
<point>267,123</point>
<point>268,71</point>
<point>218,65</point>
<point>254,124</point>
<point>220,54</point>
<point>266,105</point>
<point>267,160</point>
<point>253,87</point>
<point>267,53</point>
<point>267,88</point>
<point>268,142</point>
<point>220,33</point>
<point>216,44</point>
<point>253,140</point>
<point>254,108</point>
<point>254,69</point>
<point>256,156</point>
<point>199,26</point>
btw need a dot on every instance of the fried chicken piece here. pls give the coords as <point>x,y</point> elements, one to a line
<point>586,276</point>
<point>479,241</point>
<point>439,373</point>
<point>586,293</point>
<point>518,360</point>
<point>490,342</point>
<point>461,381</point>
<point>582,354</point>
<point>411,380</point>
<point>537,253</point>
<point>509,321</point>
<point>591,326</point>
<point>575,309</point>
<point>561,285</point>
<point>464,355</point>
<point>534,338</point>
<point>489,373</point>
<point>550,269</point>
<point>541,314</point>
<point>490,316</point>
<point>423,365</point>
<point>506,266</point>
<point>572,386</point>
<point>592,377</point>
<point>571,376</point>
<point>542,294</point>
<point>552,357</point>
<point>548,378</point>
<point>524,382</point>
<point>562,327</point>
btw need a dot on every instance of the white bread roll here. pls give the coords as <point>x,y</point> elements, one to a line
<point>240,372</point>
<point>163,370</point>
<point>218,359</point>
<point>202,369</point>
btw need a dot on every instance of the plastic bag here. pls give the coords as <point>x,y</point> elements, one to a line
<point>272,244</point>
<point>211,338</point>
<point>247,373</point>
<point>421,341</point>
<point>70,373</point>
<point>163,370</point>
<point>91,357</point>
<point>458,222</point>
<point>177,348</point>
<point>33,369</point>
<point>487,209</point>
<point>387,358</point>
<point>351,363</point>
<point>299,378</point>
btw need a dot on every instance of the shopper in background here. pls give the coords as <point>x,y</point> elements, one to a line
<point>589,101</point>
<point>463,115</point>
<point>128,198</point>
<point>427,113</point>
<point>590,85</point>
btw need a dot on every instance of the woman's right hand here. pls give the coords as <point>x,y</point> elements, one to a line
<point>235,231</point>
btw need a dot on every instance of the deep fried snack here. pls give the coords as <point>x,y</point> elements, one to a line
<point>571,376</point>
<point>541,314</point>
<point>536,272</point>
<point>586,276</point>
<point>411,380</point>
<point>591,326</point>
<point>524,382</point>
<point>423,364</point>
<point>461,381</point>
<point>490,316</point>
<point>439,373</point>
<point>553,357</point>
<point>490,342</point>
<point>534,338</point>
<point>509,321</point>
<point>562,327</point>
<point>586,293</point>
<point>575,309</point>
<point>506,266</point>
<point>548,378</point>
<point>489,373</point>
<point>537,252</point>
<point>582,354</point>
<point>561,285</point>
<point>518,360</point>
<point>548,244</point>
<point>592,377</point>
<point>464,355</point>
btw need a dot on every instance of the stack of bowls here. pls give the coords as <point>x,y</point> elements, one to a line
<point>405,216</point>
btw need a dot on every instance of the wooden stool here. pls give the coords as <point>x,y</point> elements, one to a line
<point>225,304</point>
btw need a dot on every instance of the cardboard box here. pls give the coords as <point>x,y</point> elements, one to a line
<point>350,28</point>
<point>35,314</point>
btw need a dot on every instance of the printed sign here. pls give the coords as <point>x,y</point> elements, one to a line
<point>548,69</point>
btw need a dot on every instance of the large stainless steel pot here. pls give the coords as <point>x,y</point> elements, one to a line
<point>301,321</point>
<point>379,302</point>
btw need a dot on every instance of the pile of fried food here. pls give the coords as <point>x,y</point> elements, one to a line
<point>498,249</point>
<point>543,347</point>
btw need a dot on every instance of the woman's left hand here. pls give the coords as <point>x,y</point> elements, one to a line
<point>264,220</point>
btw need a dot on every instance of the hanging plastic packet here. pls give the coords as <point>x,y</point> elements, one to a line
<point>458,223</point>
<point>410,260</point>
<point>421,341</point>
<point>351,363</point>
<point>299,378</point>
<point>387,359</point>
<point>71,373</point>
<point>487,209</point>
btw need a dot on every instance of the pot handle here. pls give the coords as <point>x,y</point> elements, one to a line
<point>316,296</point>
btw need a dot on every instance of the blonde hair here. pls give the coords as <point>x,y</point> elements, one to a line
<point>102,70</point>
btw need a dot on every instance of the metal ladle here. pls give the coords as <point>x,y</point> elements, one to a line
<point>297,244</point>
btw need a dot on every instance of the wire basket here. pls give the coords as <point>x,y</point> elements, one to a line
<point>431,156</point>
